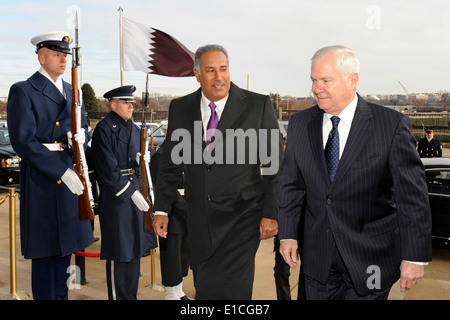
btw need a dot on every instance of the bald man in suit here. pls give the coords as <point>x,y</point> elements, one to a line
<point>367,220</point>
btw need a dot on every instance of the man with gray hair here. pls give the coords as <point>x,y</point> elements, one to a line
<point>231,204</point>
<point>353,166</point>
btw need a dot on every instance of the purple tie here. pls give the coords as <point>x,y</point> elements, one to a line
<point>212,124</point>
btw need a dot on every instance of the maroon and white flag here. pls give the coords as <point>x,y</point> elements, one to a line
<point>153,51</point>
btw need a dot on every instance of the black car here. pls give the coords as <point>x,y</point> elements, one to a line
<point>10,162</point>
<point>157,131</point>
<point>437,172</point>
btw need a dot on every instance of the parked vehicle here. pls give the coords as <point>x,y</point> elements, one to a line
<point>437,172</point>
<point>157,131</point>
<point>283,129</point>
<point>9,161</point>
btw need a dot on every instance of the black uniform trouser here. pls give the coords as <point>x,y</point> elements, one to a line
<point>174,256</point>
<point>122,279</point>
<point>49,278</point>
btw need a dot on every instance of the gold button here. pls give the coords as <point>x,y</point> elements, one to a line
<point>58,182</point>
<point>57,123</point>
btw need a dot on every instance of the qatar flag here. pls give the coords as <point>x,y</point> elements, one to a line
<point>153,51</point>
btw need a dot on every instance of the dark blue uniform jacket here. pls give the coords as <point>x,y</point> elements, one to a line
<point>114,149</point>
<point>49,223</point>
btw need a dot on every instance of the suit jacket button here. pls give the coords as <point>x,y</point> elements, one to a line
<point>329,201</point>
<point>209,198</point>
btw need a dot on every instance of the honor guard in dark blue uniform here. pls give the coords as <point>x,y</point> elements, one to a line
<point>39,117</point>
<point>115,153</point>
<point>429,146</point>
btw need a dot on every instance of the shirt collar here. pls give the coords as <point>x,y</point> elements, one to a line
<point>347,114</point>
<point>58,83</point>
<point>220,105</point>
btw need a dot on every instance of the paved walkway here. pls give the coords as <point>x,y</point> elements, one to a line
<point>435,285</point>
<point>95,289</point>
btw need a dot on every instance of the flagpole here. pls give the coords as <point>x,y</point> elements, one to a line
<point>121,46</point>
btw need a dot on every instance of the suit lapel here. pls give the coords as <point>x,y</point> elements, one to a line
<point>68,91</point>
<point>234,107</point>
<point>316,142</point>
<point>194,108</point>
<point>360,131</point>
<point>194,116</point>
<point>68,100</point>
<point>48,89</point>
<point>53,93</point>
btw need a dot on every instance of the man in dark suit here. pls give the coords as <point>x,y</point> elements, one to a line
<point>368,222</point>
<point>230,185</point>
<point>39,114</point>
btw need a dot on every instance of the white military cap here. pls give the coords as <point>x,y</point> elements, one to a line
<point>57,41</point>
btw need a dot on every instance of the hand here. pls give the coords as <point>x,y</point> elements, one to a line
<point>80,137</point>
<point>140,201</point>
<point>146,157</point>
<point>268,228</point>
<point>289,251</point>
<point>410,275</point>
<point>72,181</point>
<point>160,223</point>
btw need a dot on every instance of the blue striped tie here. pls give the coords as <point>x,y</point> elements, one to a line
<point>332,149</point>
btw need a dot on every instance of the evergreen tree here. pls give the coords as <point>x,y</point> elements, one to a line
<point>89,98</point>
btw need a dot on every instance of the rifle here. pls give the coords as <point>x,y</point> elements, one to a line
<point>145,179</point>
<point>85,200</point>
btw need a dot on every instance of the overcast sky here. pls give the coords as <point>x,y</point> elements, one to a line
<point>270,40</point>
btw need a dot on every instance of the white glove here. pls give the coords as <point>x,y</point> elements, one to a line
<point>71,180</point>
<point>146,157</point>
<point>80,137</point>
<point>140,201</point>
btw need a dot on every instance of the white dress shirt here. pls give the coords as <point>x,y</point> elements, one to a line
<point>344,126</point>
<point>58,83</point>
<point>205,110</point>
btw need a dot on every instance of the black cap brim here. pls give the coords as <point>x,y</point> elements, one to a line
<point>55,48</point>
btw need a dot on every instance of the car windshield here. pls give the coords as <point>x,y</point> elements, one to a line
<point>4,137</point>
<point>158,132</point>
